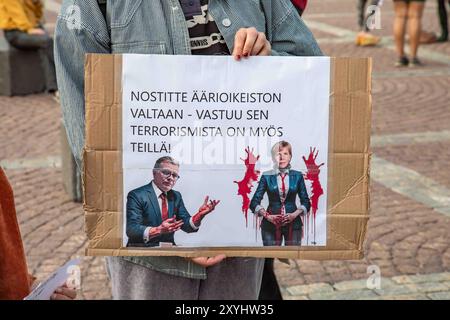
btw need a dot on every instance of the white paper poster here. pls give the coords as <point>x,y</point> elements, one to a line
<point>57,279</point>
<point>251,134</point>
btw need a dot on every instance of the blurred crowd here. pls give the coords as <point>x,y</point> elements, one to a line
<point>407,22</point>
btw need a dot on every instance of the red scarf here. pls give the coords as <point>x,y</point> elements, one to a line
<point>300,4</point>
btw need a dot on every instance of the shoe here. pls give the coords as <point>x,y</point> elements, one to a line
<point>369,40</point>
<point>415,62</point>
<point>358,39</point>
<point>365,39</point>
<point>402,62</point>
<point>442,38</point>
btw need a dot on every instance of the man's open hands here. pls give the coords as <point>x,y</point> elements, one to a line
<point>170,225</point>
<point>204,210</point>
<point>208,207</point>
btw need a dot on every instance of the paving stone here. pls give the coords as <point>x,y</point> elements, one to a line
<point>439,295</point>
<point>308,289</point>
<point>415,296</point>
<point>360,284</point>
<point>404,279</point>
<point>289,297</point>
<point>395,290</point>
<point>344,295</point>
<point>427,287</point>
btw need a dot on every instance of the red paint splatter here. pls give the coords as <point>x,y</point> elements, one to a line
<point>312,174</point>
<point>246,184</point>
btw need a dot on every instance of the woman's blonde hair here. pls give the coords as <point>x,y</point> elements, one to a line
<point>279,145</point>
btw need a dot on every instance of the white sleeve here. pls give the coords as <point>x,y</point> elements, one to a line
<point>193,225</point>
<point>147,234</point>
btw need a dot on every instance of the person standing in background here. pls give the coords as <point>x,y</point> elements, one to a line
<point>364,37</point>
<point>408,14</point>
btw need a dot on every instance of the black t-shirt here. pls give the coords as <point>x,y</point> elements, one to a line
<point>205,37</point>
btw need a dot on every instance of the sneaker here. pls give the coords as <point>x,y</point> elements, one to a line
<point>415,62</point>
<point>402,62</point>
<point>369,40</point>
<point>358,39</point>
<point>366,39</point>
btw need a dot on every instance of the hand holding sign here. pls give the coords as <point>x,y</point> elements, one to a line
<point>64,293</point>
<point>250,42</point>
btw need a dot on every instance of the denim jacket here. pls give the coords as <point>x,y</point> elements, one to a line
<point>158,27</point>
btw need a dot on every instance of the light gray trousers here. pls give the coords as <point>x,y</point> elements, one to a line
<point>232,279</point>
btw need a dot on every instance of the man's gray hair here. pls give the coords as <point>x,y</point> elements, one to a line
<point>165,159</point>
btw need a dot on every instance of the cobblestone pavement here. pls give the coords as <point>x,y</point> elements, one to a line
<point>409,231</point>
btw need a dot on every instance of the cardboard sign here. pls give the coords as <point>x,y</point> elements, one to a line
<point>212,115</point>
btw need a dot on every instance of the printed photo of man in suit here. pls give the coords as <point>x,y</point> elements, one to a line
<point>282,219</point>
<point>156,211</point>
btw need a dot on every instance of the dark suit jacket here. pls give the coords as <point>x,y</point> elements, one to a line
<point>143,211</point>
<point>268,183</point>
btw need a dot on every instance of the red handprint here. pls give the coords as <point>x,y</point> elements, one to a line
<point>312,174</point>
<point>246,184</point>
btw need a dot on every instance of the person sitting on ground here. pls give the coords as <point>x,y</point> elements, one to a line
<point>22,23</point>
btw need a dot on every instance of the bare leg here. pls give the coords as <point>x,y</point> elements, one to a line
<point>415,12</point>
<point>401,13</point>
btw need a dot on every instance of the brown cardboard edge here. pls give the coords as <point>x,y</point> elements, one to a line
<point>262,253</point>
<point>282,252</point>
